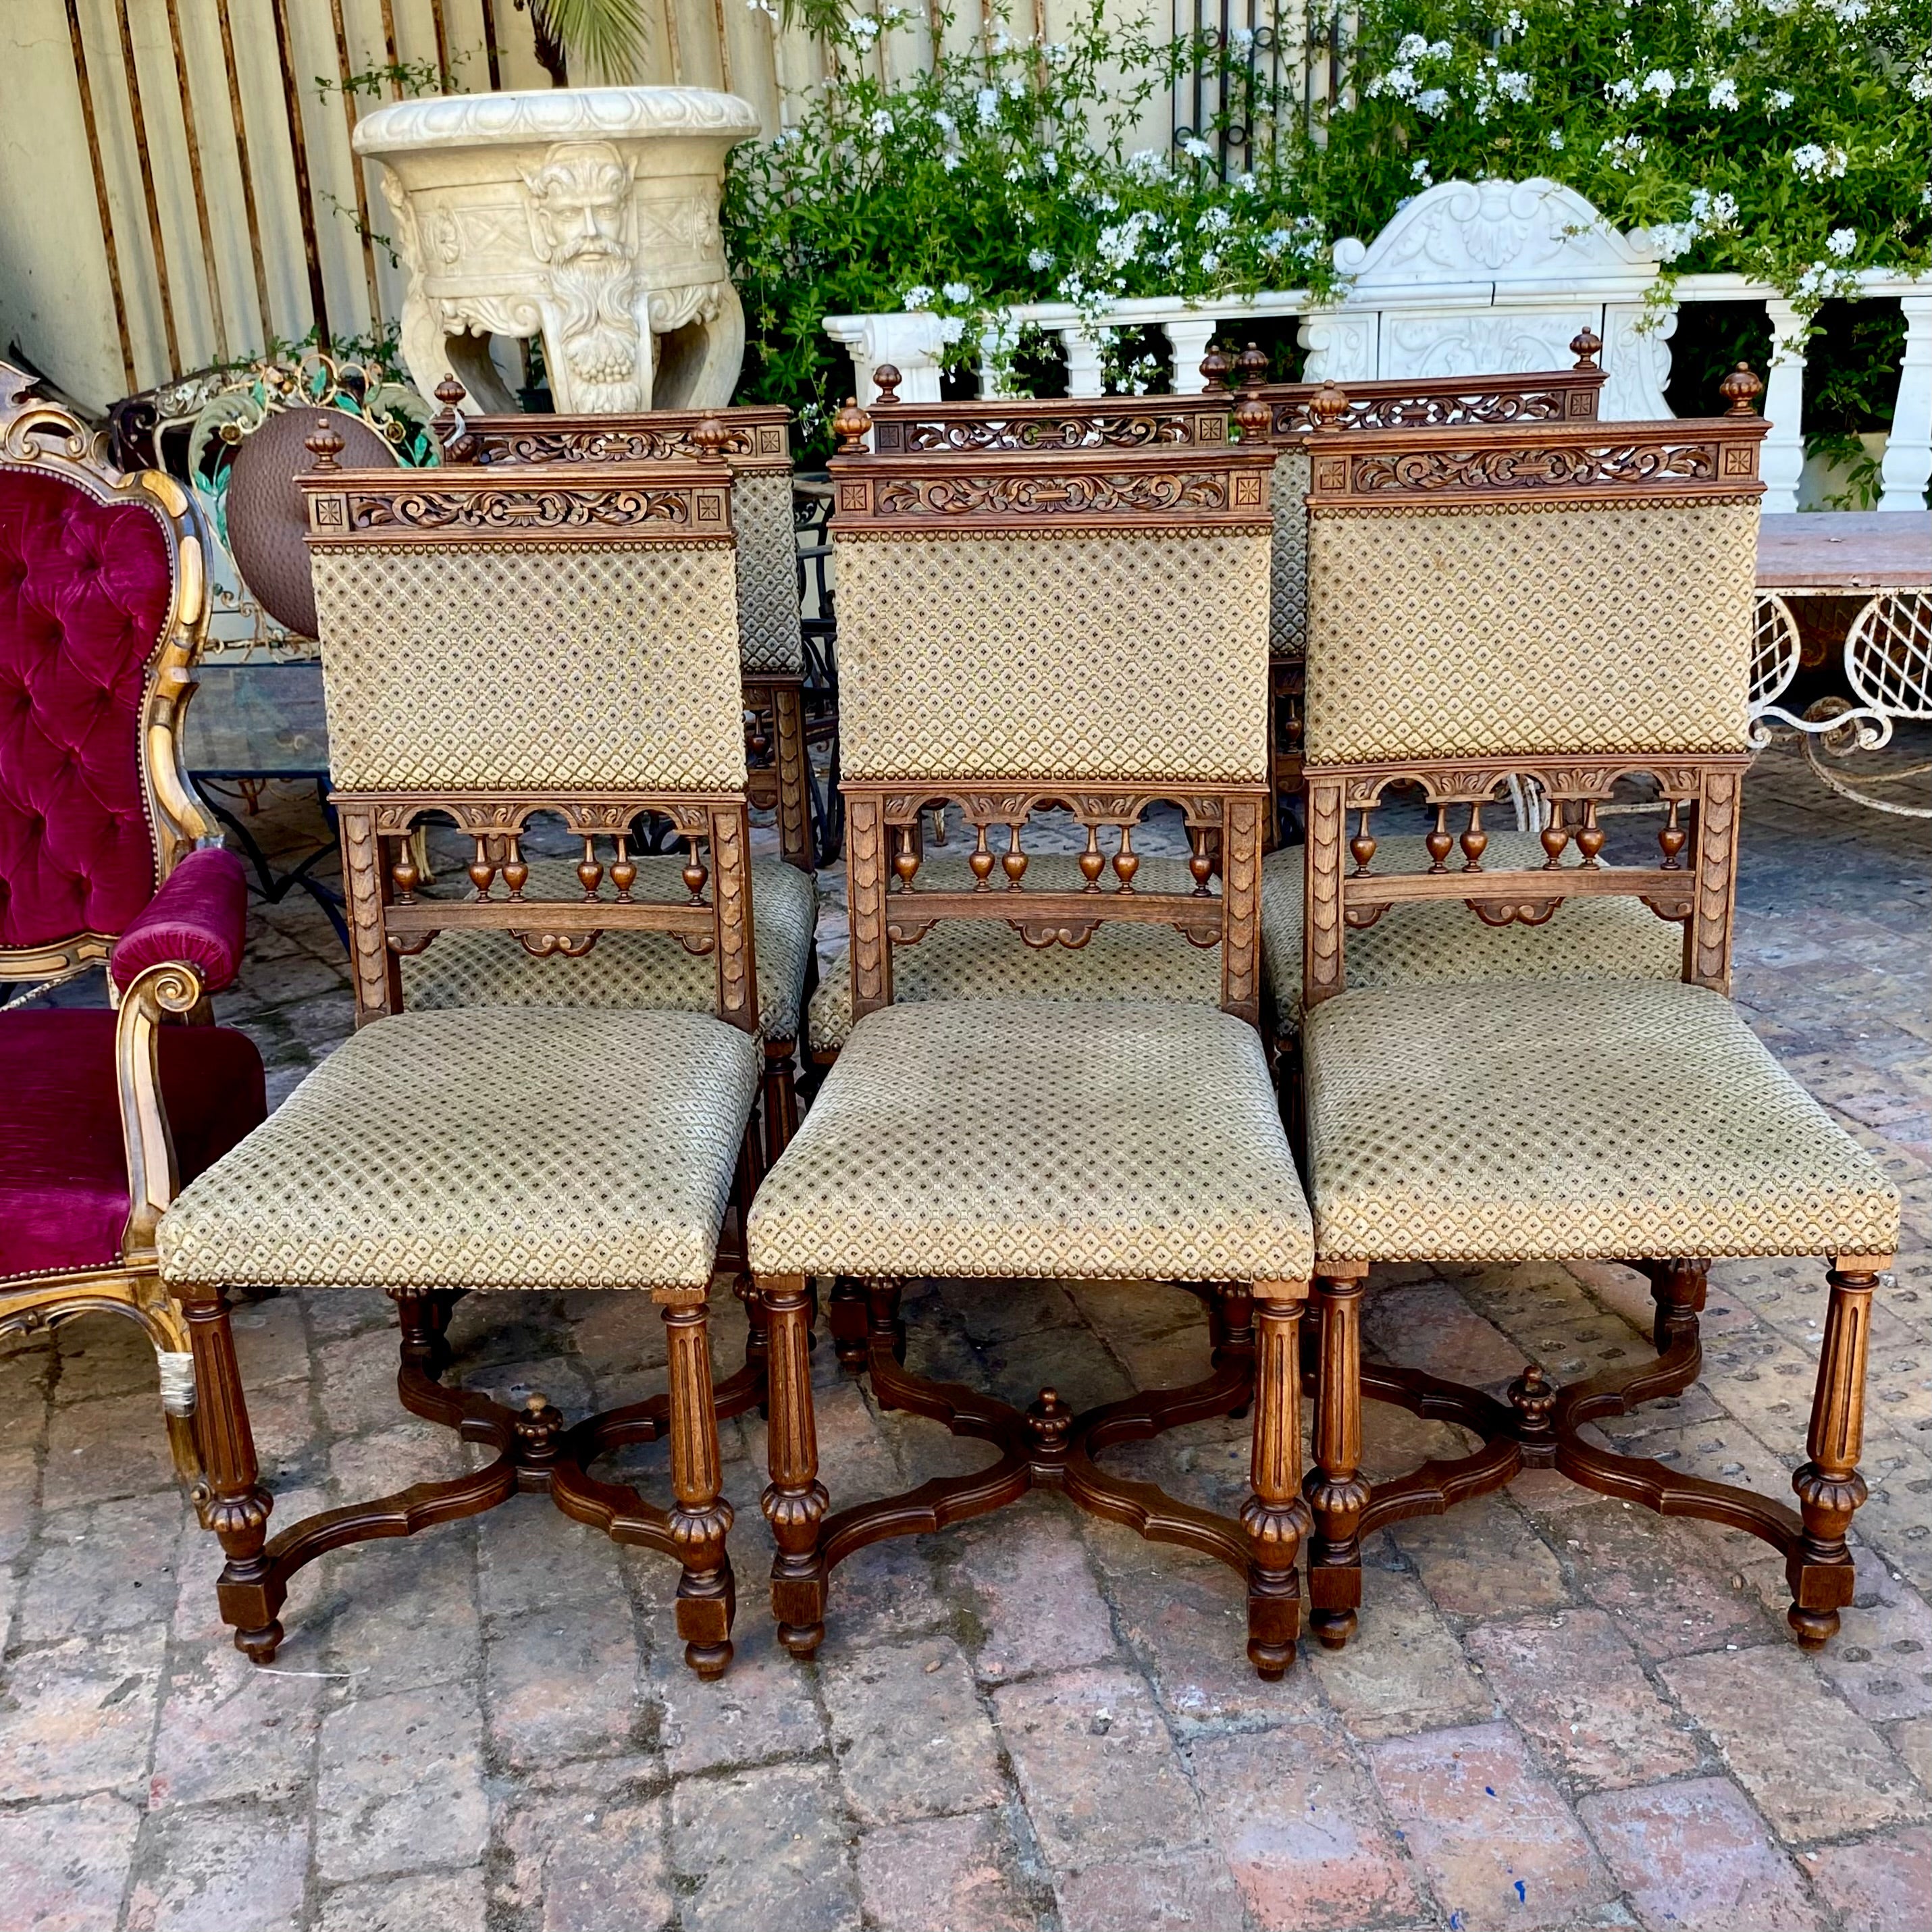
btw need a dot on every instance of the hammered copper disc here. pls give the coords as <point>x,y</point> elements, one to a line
<point>266,520</point>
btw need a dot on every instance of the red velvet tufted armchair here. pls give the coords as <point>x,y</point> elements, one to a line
<point>105,855</point>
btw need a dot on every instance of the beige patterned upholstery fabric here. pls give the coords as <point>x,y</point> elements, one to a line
<point>965,959</point>
<point>1490,1123</point>
<point>1113,1141</point>
<point>488,1148</point>
<point>1624,629</point>
<point>1134,655</point>
<point>1434,943</point>
<point>768,633</point>
<point>575,667</point>
<point>644,970</point>
<point>1288,602</point>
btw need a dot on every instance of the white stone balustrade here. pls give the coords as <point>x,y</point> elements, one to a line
<point>1470,279</point>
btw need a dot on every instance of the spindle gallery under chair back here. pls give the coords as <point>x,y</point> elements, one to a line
<point>1082,627</point>
<point>499,644</point>
<point>1570,604</point>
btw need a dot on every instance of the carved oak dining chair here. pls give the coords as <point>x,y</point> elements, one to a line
<point>1084,629</point>
<point>643,969</point>
<point>1571,603</point>
<point>497,646</point>
<point>106,857</point>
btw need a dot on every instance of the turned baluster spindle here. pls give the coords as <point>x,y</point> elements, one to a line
<point>1092,861</point>
<point>1362,847</point>
<point>694,873</point>
<point>1673,838</point>
<point>589,871</point>
<point>981,860</point>
<point>516,869</point>
<point>1200,860</point>
<point>1013,860</point>
<point>1126,860</point>
<point>1438,841</point>
<point>623,870</point>
<point>403,872</point>
<point>482,869</point>
<point>1473,841</point>
<point>1555,836</point>
<point>1590,835</point>
<point>907,863</point>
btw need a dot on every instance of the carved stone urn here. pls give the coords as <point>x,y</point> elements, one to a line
<point>588,216</point>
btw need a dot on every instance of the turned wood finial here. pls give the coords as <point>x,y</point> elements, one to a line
<point>851,426</point>
<point>886,380</point>
<point>324,443</point>
<point>1253,364</point>
<point>1586,347</point>
<point>450,393</point>
<point>709,438</point>
<point>1328,406</point>
<point>1253,416</point>
<point>1215,369</point>
<point>1741,388</point>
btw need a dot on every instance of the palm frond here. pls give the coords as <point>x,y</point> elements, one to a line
<point>608,37</point>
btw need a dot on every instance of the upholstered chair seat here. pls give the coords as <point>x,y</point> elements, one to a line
<point>522,1148</point>
<point>64,1196</point>
<point>1120,1140</point>
<point>1438,943</point>
<point>629,969</point>
<point>1537,1119</point>
<point>965,959</point>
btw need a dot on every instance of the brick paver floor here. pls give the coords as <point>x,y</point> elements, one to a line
<point>1561,1710</point>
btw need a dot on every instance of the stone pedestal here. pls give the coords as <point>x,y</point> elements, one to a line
<point>586,215</point>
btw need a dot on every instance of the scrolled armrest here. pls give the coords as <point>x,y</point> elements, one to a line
<point>198,918</point>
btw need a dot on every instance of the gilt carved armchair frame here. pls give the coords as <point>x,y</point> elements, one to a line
<point>757,445</point>
<point>1561,465</point>
<point>44,439</point>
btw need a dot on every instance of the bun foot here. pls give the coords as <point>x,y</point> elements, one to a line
<point>258,1646</point>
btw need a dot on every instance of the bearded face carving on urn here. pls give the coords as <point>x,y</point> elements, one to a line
<point>587,216</point>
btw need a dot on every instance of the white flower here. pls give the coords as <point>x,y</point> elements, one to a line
<point>1039,260</point>
<point>1433,100</point>
<point>1660,82</point>
<point>1244,184</point>
<point>1420,173</point>
<point>881,123</point>
<point>1440,50</point>
<point>1399,81</point>
<point>1209,261</point>
<point>944,122</point>
<point>1672,238</point>
<point>1622,92</point>
<point>863,29</point>
<point>986,102</point>
<point>1724,93</point>
<point>1813,162</point>
<point>1709,211</point>
<point>951,329</point>
<point>1215,221</point>
<point>1015,173</point>
<point>1196,149</point>
<point>1119,245</point>
<point>1275,241</point>
<point>1626,151</point>
<point>956,292</point>
<point>1147,164</point>
<point>1514,86</point>
<point>1918,85</point>
<point>1016,89</point>
<point>1516,23</point>
<point>950,161</point>
<point>1244,38</point>
<point>1049,163</point>
<point>1841,242</point>
<point>1777,100</point>
<point>1554,140</point>
<point>918,296</point>
<point>1412,47</point>
<point>1849,11</point>
<point>1721,12</point>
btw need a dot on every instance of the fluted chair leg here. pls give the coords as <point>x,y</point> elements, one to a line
<point>1337,1492</point>
<point>1275,1516</point>
<point>701,1518</point>
<point>795,1502</point>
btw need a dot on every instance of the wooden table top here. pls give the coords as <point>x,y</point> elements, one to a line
<point>1833,553</point>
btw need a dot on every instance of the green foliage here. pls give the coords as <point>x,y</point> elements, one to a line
<point>606,36</point>
<point>1785,139</point>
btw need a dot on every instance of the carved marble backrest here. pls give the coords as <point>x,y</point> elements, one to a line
<point>758,447</point>
<point>1085,628</point>
<point>554,638</point>
<point>1569,603</point>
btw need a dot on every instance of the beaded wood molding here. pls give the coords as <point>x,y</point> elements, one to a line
<point>757,439</point>
<point>1035,490</point>
<point>1709,460</point>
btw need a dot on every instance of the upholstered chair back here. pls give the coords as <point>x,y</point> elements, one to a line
<point>102,612</point>
<point>1568,603</point>
<point>499,643</point>
<point>757,448</point>
<point>1081,627</point>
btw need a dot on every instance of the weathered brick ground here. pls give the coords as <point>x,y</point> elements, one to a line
<point>1561,1711</point>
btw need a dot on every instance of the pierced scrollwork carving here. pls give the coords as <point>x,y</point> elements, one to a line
<point>476,512</point>
<point>1533,468</point>
<point>1515,912</point>
<point>541,945</point>
<point>1041,933</point>
<point>1050,495</point>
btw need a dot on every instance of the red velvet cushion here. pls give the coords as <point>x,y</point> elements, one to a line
<point>201,915</point>
<point>84,590</point>
<point>63,1167</point>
